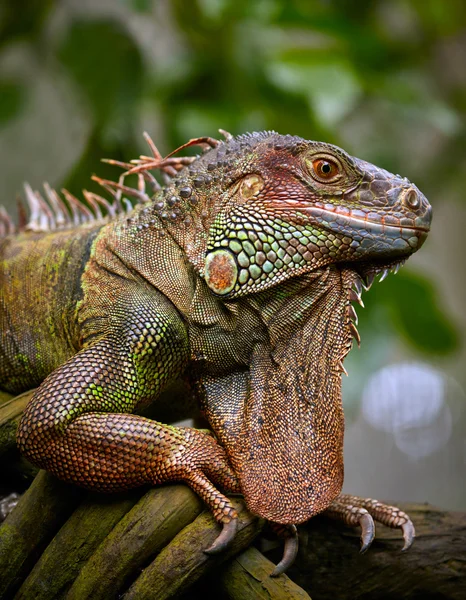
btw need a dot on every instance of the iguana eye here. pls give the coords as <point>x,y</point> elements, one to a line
<point>325,170</point>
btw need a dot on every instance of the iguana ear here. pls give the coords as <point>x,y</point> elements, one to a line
<point>222,268</point>
<point>221,272</point>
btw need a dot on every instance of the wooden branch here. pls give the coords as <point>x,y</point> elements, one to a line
<point>11,409</point>
<point>61,542</point>
<point>247,577</point>
<point>27,531</point>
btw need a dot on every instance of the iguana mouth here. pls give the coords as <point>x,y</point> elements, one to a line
<point>328,219</point>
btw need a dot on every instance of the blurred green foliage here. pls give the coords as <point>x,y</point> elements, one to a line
<point>11,100</point>
<point>411,304</point>
<point>384,79</point>
<point>106,66</point>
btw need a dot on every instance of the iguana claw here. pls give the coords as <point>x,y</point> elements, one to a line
<point>366,523</point>
<point>224,539</point>
<point>290,551</point>
<point>408,534</point>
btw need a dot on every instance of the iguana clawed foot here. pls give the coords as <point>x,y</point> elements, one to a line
<point>354,511</point>
<point>287,533</point>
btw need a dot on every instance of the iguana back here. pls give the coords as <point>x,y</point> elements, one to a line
<point>40,287</point>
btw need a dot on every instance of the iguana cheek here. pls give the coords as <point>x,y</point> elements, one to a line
<point>221,271</point>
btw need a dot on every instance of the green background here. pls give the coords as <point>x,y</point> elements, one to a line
<point>386,80</point>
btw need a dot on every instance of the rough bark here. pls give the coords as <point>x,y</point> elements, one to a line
<point>247,577</point>
<point>140,535</point>
<point>184,561</point>
<point>31,526</point>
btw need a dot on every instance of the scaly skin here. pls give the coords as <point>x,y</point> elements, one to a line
<point>238,275</point>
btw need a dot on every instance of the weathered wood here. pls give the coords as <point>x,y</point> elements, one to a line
<point>184,561</point>
<point>86,528</point>
<point>30,527</point>
<point>11,409</point>
<point>247,577</point>
<point>104,545</point>
<point>328,563</point>
<point>151,524</point>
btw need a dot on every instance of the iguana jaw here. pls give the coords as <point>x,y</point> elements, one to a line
<point>382,240</point>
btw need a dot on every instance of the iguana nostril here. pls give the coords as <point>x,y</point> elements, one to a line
<point>411,198</point>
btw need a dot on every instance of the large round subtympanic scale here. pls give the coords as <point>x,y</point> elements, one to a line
<point>221,271</point>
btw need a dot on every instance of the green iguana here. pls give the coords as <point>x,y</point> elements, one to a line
<point>239,275</point>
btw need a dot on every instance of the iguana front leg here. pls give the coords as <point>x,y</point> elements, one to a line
<point>78,425</point>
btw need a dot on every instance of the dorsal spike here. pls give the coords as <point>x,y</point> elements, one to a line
<point>114,187</point>
<point>170,164</point>
<point>51,212</point>
<point>73,203</point>
<point>62,215</point>
<point>47,211</point>
<point>152,181</point>
<point>7,227</point>
<point>127,206</point>
<point>95,206</point>
<point>85,215</point>
<point>226,134</point>
<point>109,207</point>
<point>141,184</point>
<point>22,214</point>
<point>116,163</point>
<point>155,152</point>
<point>38,220</point>
<point>200,141</point>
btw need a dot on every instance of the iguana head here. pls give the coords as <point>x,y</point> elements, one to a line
<point>290,206</point>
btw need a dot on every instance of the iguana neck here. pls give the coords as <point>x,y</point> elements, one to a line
<point>313,306</point>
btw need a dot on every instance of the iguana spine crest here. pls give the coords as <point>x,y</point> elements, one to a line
<point>50,212</point>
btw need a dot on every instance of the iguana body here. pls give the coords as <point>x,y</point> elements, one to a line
<point>239,275</point>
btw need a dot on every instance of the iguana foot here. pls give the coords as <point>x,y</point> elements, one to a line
<point>201,462</point>
<point>289,534</point>
<point>354,511</point>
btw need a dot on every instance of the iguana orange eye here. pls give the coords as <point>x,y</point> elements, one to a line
<point>325,170</point>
